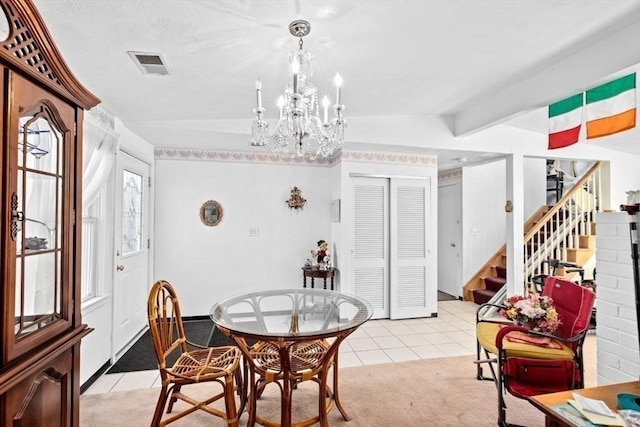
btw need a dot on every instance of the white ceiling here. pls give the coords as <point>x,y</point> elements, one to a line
<point>476,62</point>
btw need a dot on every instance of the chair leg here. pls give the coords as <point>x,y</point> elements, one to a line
<point>162,400</point>
<point>241,386</point>
<point>502,405</point>
<point>173,399</point>
<point>479,374</point>
<point>230,400</point>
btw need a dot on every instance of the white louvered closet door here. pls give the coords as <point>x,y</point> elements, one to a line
<point>409,260</point>
<point>371,242</point>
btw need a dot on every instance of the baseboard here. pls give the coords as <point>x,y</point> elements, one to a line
<point>195,318</point>
<point>84,387</point>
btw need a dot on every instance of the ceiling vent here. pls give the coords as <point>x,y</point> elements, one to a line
<point>150,63</point>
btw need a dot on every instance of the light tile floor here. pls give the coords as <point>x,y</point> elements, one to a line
<point>451,333</point>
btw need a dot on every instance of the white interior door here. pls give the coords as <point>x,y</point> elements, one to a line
<point>131,280</point>
<point>410,249</point>
<point>370,253</point>
<point>449,240</point>
<point>391,246</point>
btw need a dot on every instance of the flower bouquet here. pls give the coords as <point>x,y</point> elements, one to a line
<point>534,312</point>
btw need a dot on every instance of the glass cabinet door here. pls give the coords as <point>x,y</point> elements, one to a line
<point>42,232</point>
<point>38,221</point>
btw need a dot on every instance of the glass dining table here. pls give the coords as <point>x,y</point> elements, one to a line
<point>288,336</point>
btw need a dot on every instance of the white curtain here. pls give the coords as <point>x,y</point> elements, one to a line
<point>100,143</point>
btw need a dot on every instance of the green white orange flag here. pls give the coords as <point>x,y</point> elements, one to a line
<point>611,107</point>
<point>565,119</point>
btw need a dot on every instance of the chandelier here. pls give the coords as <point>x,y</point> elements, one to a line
<point>299,123</point>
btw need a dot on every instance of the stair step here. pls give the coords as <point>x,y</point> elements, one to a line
<point>480,296</point>
<point>578,255</point>
<point>501,271</point>
<point>587,242</point>
<point>494,283</point>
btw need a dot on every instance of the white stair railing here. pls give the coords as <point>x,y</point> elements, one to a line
<point>558,230</point>
<point>561,227</point>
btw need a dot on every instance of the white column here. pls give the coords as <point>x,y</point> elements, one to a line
<point>515,224</point>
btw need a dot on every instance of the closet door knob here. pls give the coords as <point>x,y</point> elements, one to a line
<point>120,267</point>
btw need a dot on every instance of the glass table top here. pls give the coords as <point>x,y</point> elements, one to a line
<point>291,313</point>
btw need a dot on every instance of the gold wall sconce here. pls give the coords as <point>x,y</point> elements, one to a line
<point>508,207</point>
<point>296,201</point>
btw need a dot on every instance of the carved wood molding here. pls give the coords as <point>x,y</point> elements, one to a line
<point>50,375</point>
<point>31,49</point>
<point>43,356</point>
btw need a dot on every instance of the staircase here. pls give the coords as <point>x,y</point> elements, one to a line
<point>491,285</point>
<point>565,231</point>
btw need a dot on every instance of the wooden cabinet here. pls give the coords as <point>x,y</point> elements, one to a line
<point>41,166</point>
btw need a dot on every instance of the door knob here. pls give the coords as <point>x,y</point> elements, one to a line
<point>453,245</point>
<point>120,267</point>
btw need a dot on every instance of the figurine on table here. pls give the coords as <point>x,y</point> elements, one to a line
<point>321,255</point>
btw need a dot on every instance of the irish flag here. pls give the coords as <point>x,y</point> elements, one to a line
<point>611,107</point>
<point>565,119</point>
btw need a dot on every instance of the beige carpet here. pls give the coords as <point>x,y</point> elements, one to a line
<point>433,392</point>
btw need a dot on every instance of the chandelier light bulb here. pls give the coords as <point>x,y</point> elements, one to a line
<point>280,104</point>
<point>259,92</point>
<point>338,82</point>
<point>295,67</point>
<point>325,104</point>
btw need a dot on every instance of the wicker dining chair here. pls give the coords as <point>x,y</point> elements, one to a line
<point>202,364</point>
<point>309,361</point>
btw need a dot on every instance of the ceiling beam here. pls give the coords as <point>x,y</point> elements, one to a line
<point>572,74</point>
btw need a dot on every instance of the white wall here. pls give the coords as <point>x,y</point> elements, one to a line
<point>95,349</point>
<point>206,264</point>
<point>617,332</point>
<point>534,185</point>
<point>483,216</point>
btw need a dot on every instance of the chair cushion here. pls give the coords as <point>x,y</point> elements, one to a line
<point>486,333</point>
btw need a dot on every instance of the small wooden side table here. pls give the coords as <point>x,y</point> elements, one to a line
<point>314,272</point>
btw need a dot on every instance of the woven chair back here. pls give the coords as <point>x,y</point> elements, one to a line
<point>165,324</point>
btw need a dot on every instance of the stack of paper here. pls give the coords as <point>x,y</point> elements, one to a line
<point>596,411</point>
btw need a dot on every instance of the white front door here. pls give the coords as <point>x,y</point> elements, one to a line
<point>131,281</point>
<point>449,240</point>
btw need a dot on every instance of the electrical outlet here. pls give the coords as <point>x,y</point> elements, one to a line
<point>254,231</point>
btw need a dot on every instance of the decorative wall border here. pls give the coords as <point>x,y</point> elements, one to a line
<point>240,157</point>
<point>450,174</point>
<point>387,157</point>
<point>292,159</point>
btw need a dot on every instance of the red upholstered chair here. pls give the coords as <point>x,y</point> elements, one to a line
<point>554,363</point>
